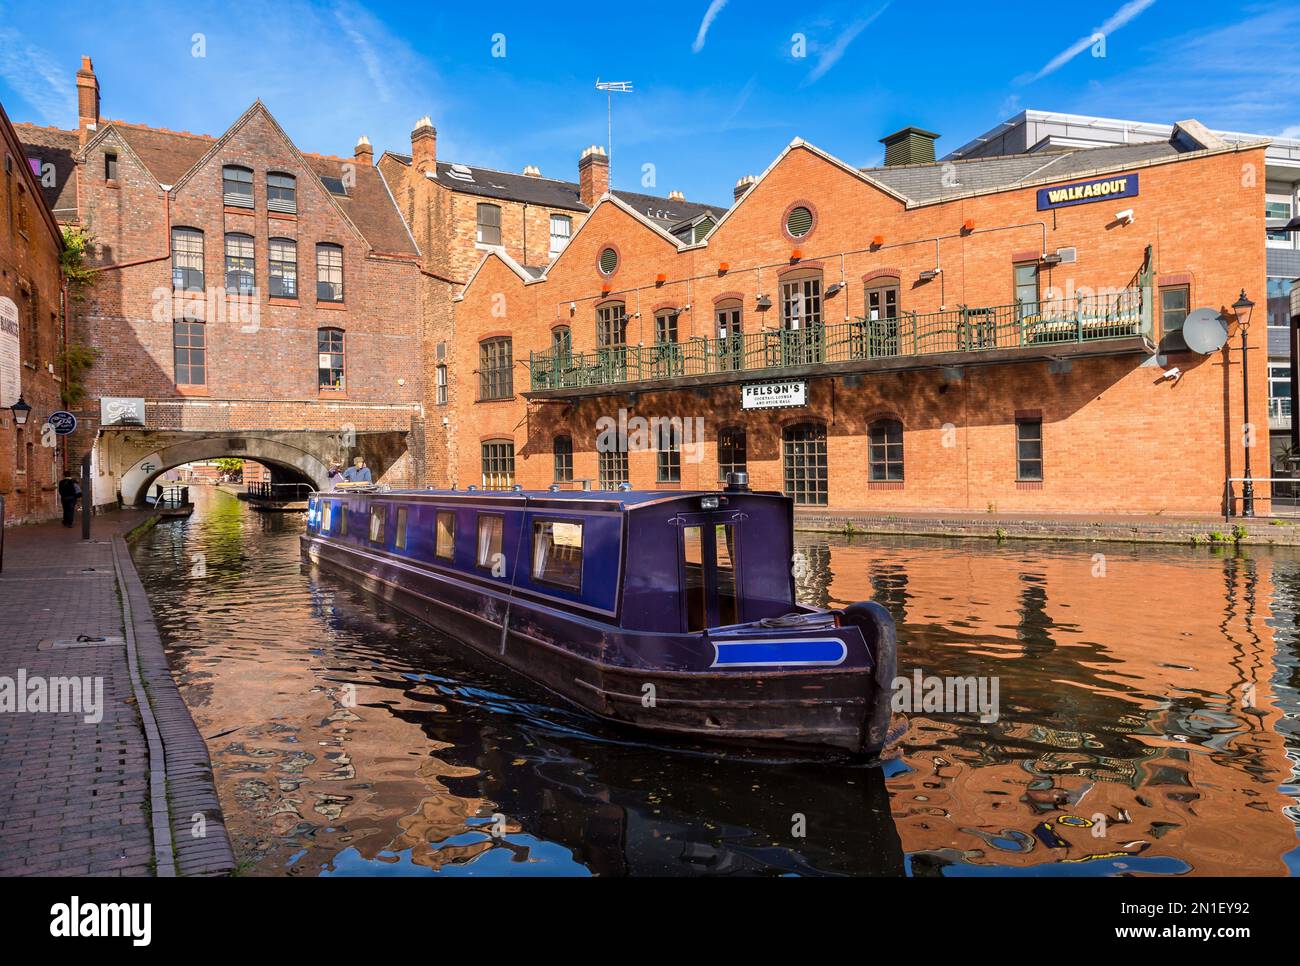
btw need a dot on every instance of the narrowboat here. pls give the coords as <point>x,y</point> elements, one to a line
<point>674,613</point>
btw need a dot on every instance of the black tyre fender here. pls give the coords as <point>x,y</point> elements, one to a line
<point>878,631</point>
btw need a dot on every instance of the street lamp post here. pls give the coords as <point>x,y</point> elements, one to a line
<point>21,411</point>
<point>1242,307</point>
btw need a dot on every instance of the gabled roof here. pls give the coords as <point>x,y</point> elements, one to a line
<point>171,157</point>
<point>32,178</point>
<point>552,193</point>
<point>51,145</point>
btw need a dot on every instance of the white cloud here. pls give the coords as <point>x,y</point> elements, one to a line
<point>46,86</point>
<point>832,54</point>
<point>1116,20</point>
<point>710,15</point>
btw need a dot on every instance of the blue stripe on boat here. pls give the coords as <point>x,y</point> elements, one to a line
<point>773,653</point>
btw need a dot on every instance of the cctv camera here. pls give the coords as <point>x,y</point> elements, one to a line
<point>1125,215</point>
<point>1175,373</point>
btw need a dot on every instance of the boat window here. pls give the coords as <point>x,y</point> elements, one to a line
<point>377,514</point>
<point>446,534</point>
<point>343,519</point>
<point>726,568</point>
<point>557,553</point>
<point>327,516</point>
<point>399,536</point>
<point>693,550</point>
<point>491,528</point>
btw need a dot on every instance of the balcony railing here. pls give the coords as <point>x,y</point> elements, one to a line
<point>1279,407</point>
<point>984,329</point>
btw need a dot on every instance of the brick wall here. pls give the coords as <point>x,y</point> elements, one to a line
<point>260,350</point>
<point>31,277</point>
<point>1116,437</point>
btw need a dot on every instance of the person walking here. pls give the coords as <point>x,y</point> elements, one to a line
<point>69,493</point>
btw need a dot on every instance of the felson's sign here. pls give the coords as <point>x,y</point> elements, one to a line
<point>1085,192</point>
<point>773,395</point>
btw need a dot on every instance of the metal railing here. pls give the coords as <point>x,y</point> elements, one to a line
<point>171,497</point>
<point>279,492</point>
<point>1279,407</point>
<point>1123,314</point>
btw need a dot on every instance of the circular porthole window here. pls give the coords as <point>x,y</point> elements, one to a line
<point>608,261</point>
<point>798,221</point>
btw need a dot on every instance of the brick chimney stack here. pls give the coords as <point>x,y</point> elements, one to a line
<point>593,175</point>
<point>87,101</point>
<point>364,153</point>
<point>743,185</point>
<point>424,145</point>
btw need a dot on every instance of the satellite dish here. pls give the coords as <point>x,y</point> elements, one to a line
<point>1204,331</point>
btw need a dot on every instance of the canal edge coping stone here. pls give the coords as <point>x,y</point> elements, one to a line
<point>180,769</point>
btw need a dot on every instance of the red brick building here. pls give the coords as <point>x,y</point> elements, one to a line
<point>257,299</point>
<point>997,334</point>
<point>31,339</point>
<point>459,211</point>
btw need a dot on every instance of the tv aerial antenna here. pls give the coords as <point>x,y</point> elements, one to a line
<point>611,88</point>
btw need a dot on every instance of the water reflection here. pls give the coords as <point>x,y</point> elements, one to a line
<point>1140,728</point>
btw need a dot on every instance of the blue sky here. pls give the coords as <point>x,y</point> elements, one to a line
<point>720,87</point>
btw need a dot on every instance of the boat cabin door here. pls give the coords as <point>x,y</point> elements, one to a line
<point>710,590</point>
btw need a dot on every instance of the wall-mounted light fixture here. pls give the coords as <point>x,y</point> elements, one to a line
<point>968,225</point>
<point>877,241</point>
<point>796,255</point>
<point>723,267</point>
<point>21,411</point>
<point>1050,258</point>
<point>930,274</point>
<point>833,288</point>
<point>660,278</point>
<point>764,302</point>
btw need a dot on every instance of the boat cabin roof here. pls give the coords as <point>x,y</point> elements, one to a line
<point>589,499</point>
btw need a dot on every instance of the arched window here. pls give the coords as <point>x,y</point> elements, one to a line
<point>885,451</point>
<point>187,259</point>
<point>561,344</point>
<point>668,456</point>
<point>237,186</point>
<point>803,457</point>
<point>731,341</point>
<point>331,365</point>
<point>881,301</point>
<point>240,277</point>
<point>329,272</point>
<point>668,355</point>
<point>563,450</point>
<point>283,265</point>
<point>732,452</point>
<point>489,225</point>
<point>801,319</point>
<point>612,461</point>
<point>498,464</point>
<point>281,192</point>
<point>611,341</point>
<point>496,369</point>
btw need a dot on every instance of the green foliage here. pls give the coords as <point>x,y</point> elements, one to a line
<point>75,359</point>
<point>229,465</point>
<point>77,246</point>
<point>1238,533</point>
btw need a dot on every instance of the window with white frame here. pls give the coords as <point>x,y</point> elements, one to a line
<point>561,231</point>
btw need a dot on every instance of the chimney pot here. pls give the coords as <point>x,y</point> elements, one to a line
<point>424,145</point>
<point>87,100</point>
<point>676,196</point>
<point>364,153</point>
<point>532,171</point>
<point>743,185</point>
<point>593,175</point>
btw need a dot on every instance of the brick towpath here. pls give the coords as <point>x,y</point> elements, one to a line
<point>127,794</point>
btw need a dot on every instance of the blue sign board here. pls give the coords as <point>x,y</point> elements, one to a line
<point>1086,192</point>
<point>63,423</point>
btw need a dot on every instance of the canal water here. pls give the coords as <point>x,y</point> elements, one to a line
<point>1145,723</point>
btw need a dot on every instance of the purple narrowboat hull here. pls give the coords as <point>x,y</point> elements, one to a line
<point>735,683</point>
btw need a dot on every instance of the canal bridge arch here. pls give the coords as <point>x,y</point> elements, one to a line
<point>136,458</point>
